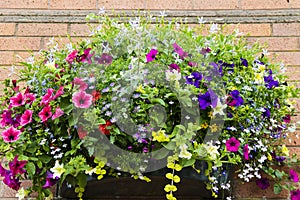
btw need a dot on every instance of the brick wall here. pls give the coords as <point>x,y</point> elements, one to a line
<point>27,25</point>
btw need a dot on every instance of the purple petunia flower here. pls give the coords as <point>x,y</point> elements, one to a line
<point>287,119</point>
<point>270,82</point>
<point>280,158</point>
<point>17,167</point>
<point>50,180</point>
<point>294,176</point>
<point>204,51</point>
<point>12,181</point>
<point>244,62</point>
<point>151,55</point>
<point>266,113</point>
<point>194,79</point>
<point>207,99</point>
<point>263,183</point>
<point>295,194</point>
<point>226,66</point>
<point>173,66</point>
<point>232,144</point>
<point>105,59</point>
<point>235,99</point>
<point>180,51</point>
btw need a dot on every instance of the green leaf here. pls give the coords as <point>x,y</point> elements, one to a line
<point>160,154</point>
<point>45,158</point>
<point>30,167</point>
<point>73,120</point>
<point>277,188</point>
<point>31,148</point>
<point>82,180</point>
<point>188,162</point>
<point>159,100</point>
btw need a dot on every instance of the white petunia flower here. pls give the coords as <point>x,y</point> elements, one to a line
<point>58,169</point>
<point>184,152</point>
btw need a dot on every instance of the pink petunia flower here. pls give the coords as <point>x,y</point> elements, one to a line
<point>82,85</point>
<point>59,92</point>
<point>29,98</point>
<point>26,118</point>
<point>232,144</point>
<point>151,55</point>
<point>45,113</point>
<point>47,97</point>
<point>86,56</point>
<point>17,100</point>
<point>82,99</point>
<point>58,112</point>
<point>11,135</point>
<point>71,57</point>
<point>294,176</point>
<point>246,152</point>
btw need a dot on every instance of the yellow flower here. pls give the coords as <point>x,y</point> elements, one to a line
<point>204,125</point>
<point>160,136</point>
<point>214,128</point>
<point>169,188</point>
<point>170,197</point>
<point>140,89</point>
<point>285,150</point>
<point>269,157</point>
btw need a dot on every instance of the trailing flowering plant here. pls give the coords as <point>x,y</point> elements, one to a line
<point>140,96</point>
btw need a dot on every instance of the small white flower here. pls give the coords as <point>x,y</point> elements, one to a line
<point>219,109</point>
<point>214,28</point>
<point>58,169</point>
<point>101,11</point>
<point>162,14</point>
<point>21,194</point>
<point>90,171</point>
<point>262,159</point>
<point>201,20</point>
<point>184,152</point>
<point>173,75</point>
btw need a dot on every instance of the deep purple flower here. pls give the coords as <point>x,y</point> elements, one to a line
<point>218,69</point>
<point>105,59</point>
<point>244,62</point>
<point>151,55</point>
<point>17,167</point>
<point>86,56</point>
<point>232,144</point>
<point>235,99</point>
<point>294,176</point>
<point>246,152</point>
<point>226,66</point>
<point>6,118</point>
<point>173,66</point>
<point>229,115</point>
<point>2,171</point>
<point>266,113</point>
<point>208,99</point>
<point>295,194</point>
<point>270,82</point>
<point>50,181</point>
<point>180,51</point>
<point>192,64</point>
<point>263,183</point>
<point>287,119</point>
<point>280,158</point>
<point>205,50</point>
<point>194,79</point>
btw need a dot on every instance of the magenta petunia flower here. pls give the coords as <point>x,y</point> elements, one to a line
<point>11,135</point>
<point>82,99</point>
<point>105,59</point>
<point>45,113</point>
<point>6,118</point>
<point>17,100</point>
<point>29,98</point>
<point>17,166</point>
<point>263,183</point>
<point>26,118</point>
<point>86,56</point>
<point>50,180</point>
<point>294,176</point>
<point>59,92</point>
<point>71,57</point>
<point>232,144</point>
<point>58,112</point>
<point>151,55</point>
<point>79,82</point>
<point>295,194</point>
<point>246,152</point>
<point>173,66</point>
<point>47,97</point>
<point>180,51</point>
<point>12,182</point>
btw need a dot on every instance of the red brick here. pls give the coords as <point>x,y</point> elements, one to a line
<point>33,29</point>
<point>278,43</point>
<point>69,4</point>
<point>169,4</point>
<point>293,139</point>
<point>20,43</point>
<point>6,72</point>
<point>34,4</point>
<point>294,4</point>
<point>121,4</point>
<point>6,57</point>
<point>251,29</point>
<point>266,4</point>
<point>288,58</point>
<point>7,28</point>
<point>215,5</point>
<point>80,30</point>
<point>285,29</point>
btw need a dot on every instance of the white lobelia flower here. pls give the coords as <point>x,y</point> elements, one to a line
<point>219,109</point>
<point>58,169</point>
<point>21,194</point>
<point>184,152</point>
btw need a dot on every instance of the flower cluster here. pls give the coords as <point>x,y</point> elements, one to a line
<point>138,93</point>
